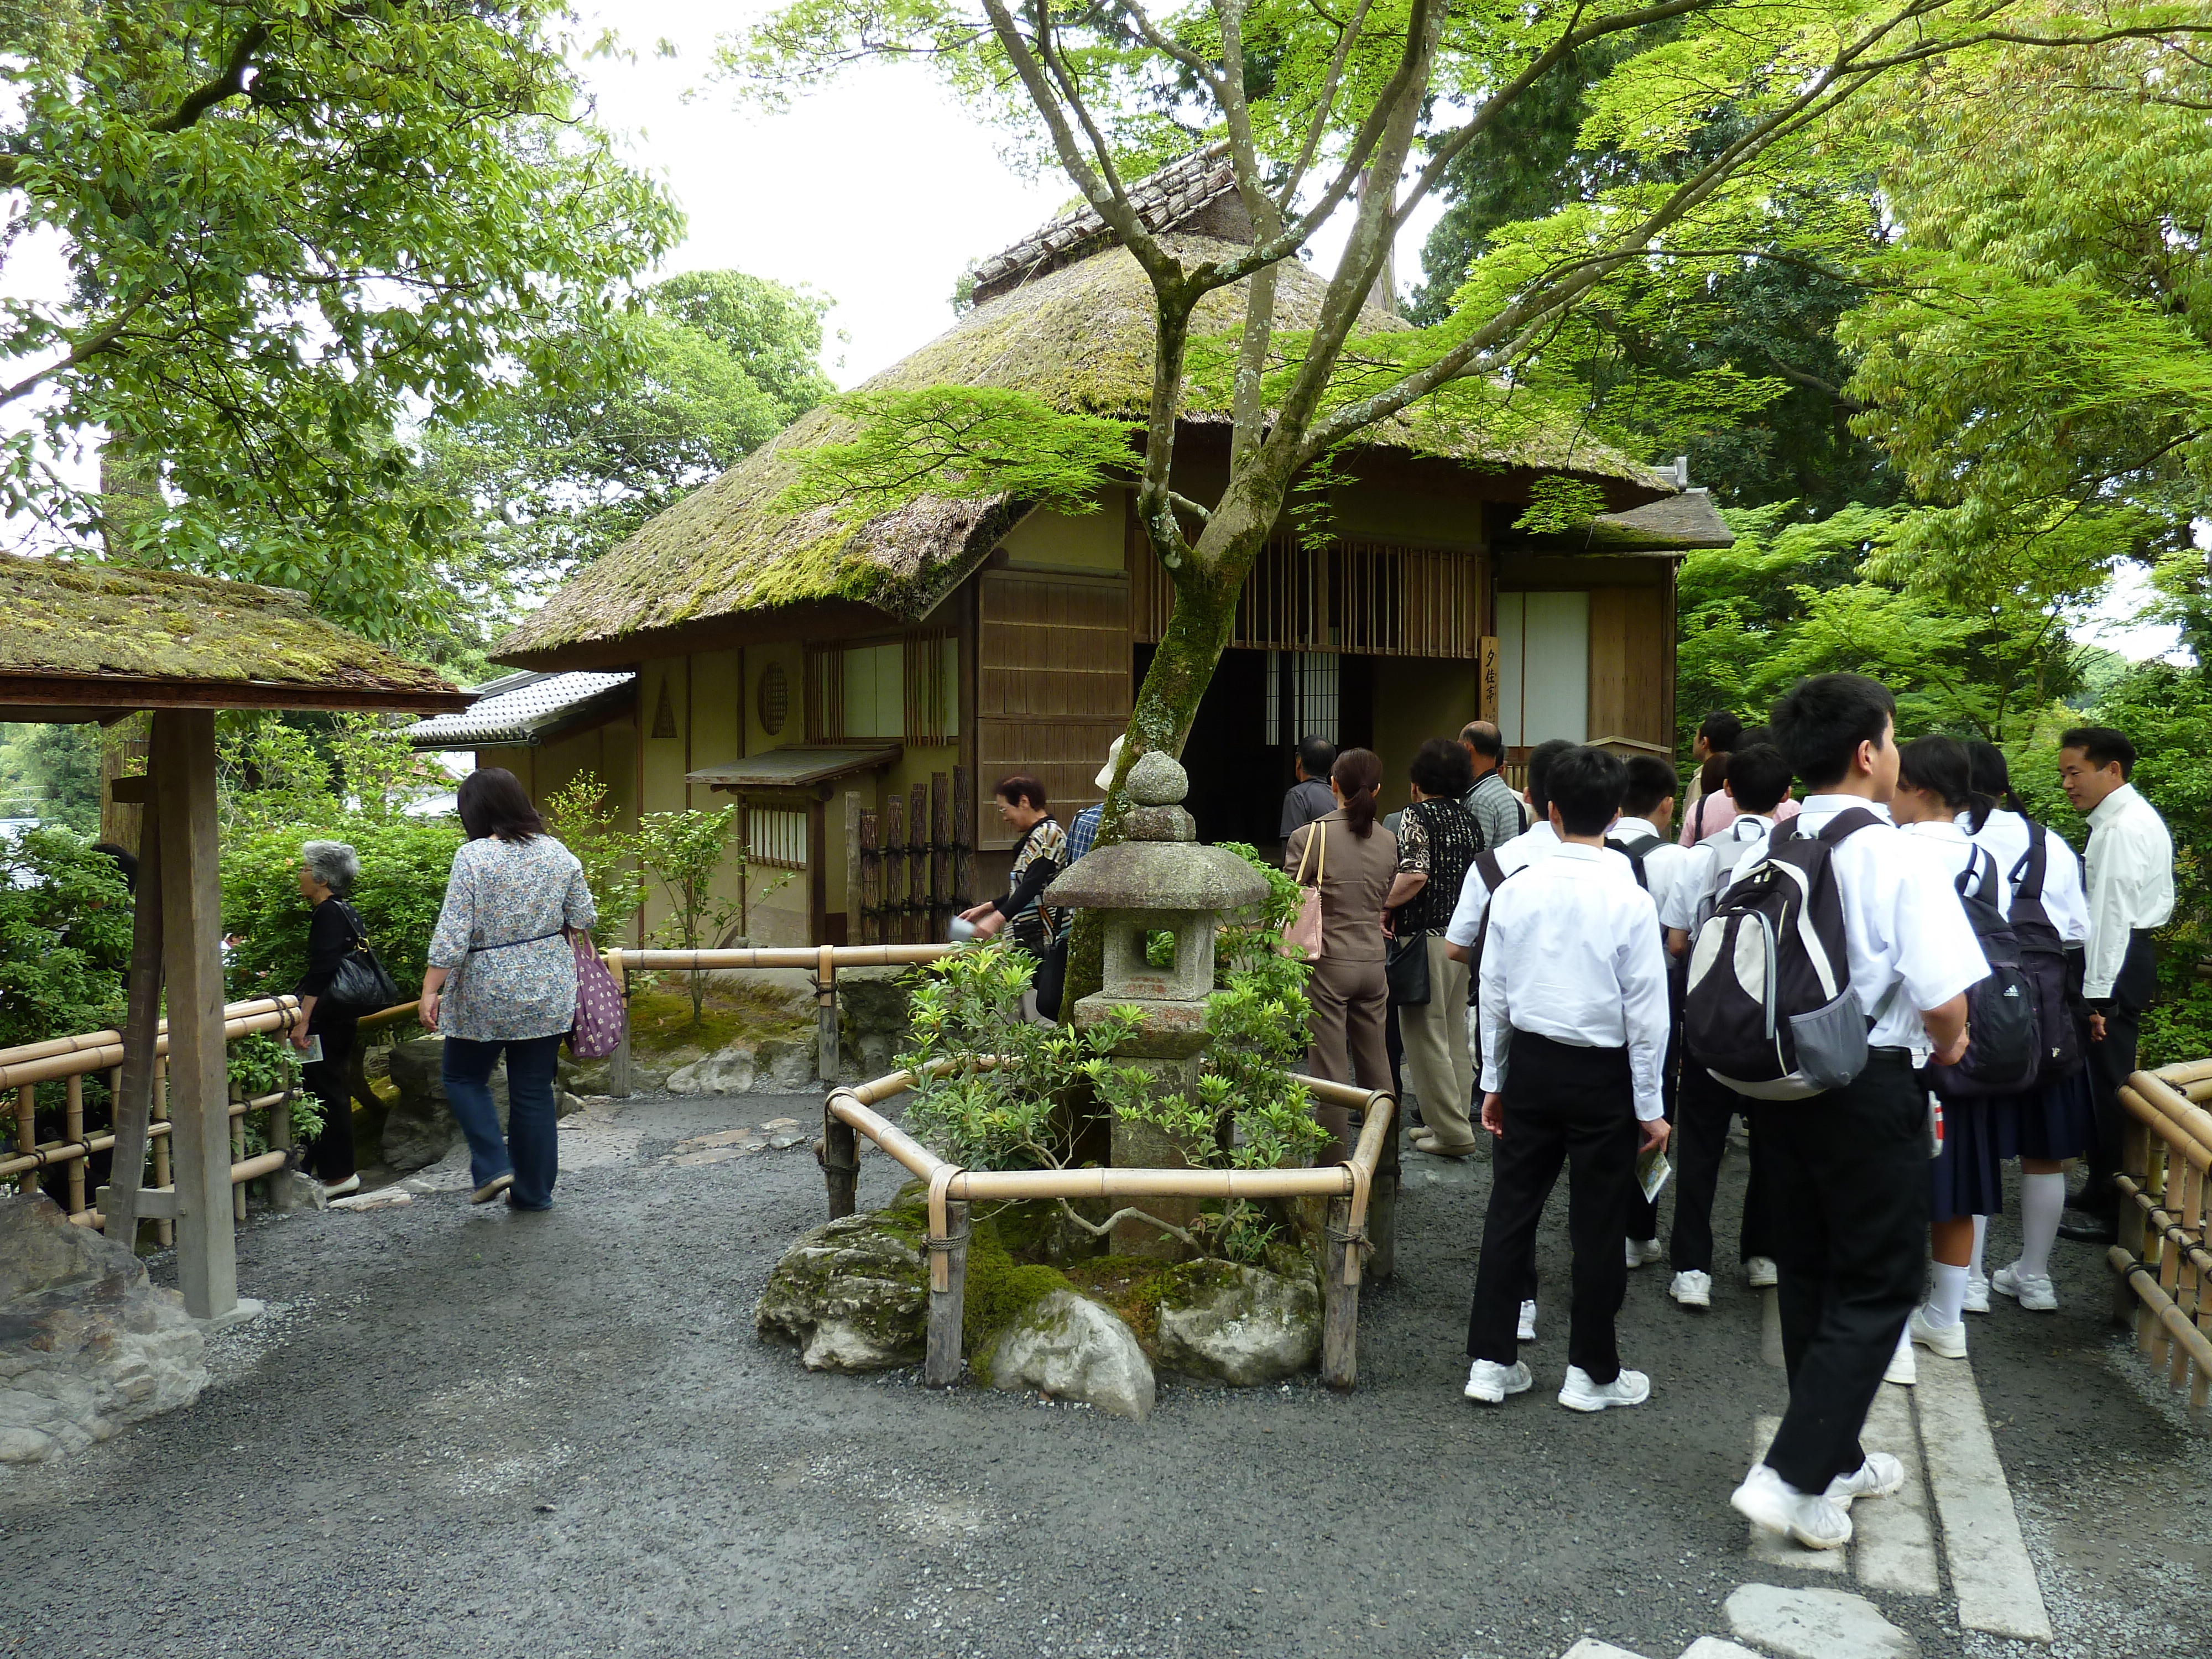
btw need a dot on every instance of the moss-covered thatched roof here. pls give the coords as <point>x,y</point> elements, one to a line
<point>116,636</point>
<point>1081,338</point>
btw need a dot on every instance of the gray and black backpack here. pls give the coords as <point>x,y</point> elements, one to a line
<point>1770,1010</point>
<point>2004,1047</point>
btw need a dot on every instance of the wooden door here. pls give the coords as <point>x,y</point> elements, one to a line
<point>1052,687</point>
<point>1631,689</point>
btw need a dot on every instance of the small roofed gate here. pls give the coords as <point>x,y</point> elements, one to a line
<point>1052,687</point>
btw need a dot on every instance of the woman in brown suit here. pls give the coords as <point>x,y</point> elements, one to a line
<point>1346,996</point>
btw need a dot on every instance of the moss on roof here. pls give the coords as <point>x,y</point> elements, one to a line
<point>64,620</point>
<point>1080,337</point>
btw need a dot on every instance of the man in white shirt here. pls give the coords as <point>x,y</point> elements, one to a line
<point>2131,883</point>
<point>1847,1170</point>
<point>1573,999</point>
<point>1758,780</point>
<point>1639,834</point>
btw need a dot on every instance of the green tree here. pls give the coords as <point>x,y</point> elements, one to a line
<point>290,231</point>
<point>1309,104</point>
<point>683,853</point>
<point>52,772</point>
<point>554,470</point>
<point>578,814</point>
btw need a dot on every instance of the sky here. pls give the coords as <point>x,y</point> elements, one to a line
<point>878,191</point>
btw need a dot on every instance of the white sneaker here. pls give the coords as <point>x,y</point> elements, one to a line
<point>1490,1381</point>
<point>1948,1340</point>
<point>1811,1518</point>
<point>1760,1273</point>
<point>351,1184</point>
<point>1904,1368</point>
<point>1878,1477</point>
<point>1527,1331</point>
<point>1581,1395</point>
<point>1643,1251</point>
<point>1977,1294</point>
<point>1693,1289</point>
<point>2033,1292</point>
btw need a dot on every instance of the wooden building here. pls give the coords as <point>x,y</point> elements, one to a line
<point>795,661</point>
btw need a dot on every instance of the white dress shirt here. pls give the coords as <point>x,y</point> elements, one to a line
<point>1573,954</point>
<point>1666,866</point>
<point>1711,867</point>
<point>1532,846</point>
<point>1958,849</point>
<point>2005,835</point>
<point>1905,934</point>
<point>2131,882</point>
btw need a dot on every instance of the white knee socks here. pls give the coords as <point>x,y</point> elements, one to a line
<point>1947,1301</point>
<point>2041,1198</point>
<point>1981,1237</point>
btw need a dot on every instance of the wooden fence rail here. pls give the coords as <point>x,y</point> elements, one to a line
<point>2163,1257</point>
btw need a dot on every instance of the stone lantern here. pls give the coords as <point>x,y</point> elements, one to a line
<point>1159,878</point>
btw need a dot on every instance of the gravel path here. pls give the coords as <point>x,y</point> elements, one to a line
<point>465,1430</point>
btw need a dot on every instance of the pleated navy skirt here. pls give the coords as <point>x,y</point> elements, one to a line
<point>1967,1177</point>
<point>2056,1121</point>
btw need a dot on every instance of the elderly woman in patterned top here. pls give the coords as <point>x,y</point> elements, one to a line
<point>502,977</point>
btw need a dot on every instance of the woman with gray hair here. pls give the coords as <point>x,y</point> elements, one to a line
<point>328,870</point>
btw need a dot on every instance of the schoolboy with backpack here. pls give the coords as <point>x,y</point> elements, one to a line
<point>1837,954</point>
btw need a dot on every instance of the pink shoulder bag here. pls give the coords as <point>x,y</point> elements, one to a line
<point>1303,937</point>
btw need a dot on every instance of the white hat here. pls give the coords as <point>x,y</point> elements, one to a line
<point>1105,778</point>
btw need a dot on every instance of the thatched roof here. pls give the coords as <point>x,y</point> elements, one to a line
<point>1666,528</point>
<point>1177,197</point>
<point>1080,337</point>
<point>74,637</point>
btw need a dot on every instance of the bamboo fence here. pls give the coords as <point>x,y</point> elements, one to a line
<point>2163,1256</point>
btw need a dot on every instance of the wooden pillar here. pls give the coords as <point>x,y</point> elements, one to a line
<point>1340,1323</point>
<point>941,1366</point>
<point>134,1091</point>
<point>841,1164</point>
<point>191,923</point>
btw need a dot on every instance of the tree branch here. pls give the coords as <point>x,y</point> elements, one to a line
<point>228,85</point>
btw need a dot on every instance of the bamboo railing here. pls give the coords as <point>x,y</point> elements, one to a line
<point>2163,1256</point>
<point>1361,1191</point>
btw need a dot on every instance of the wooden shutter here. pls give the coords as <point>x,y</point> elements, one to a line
<point>1629,637</point>
<point>1052,687</point>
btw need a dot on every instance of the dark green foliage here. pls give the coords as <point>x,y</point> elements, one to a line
<point>65,944</point>
<point>50,772</point>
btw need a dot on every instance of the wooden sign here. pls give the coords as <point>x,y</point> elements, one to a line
<point>1489,690</point>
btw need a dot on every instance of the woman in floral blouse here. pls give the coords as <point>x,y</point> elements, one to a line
<point>502,978</point>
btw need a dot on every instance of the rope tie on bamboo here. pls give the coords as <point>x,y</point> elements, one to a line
<point>950,1239</point>
<point>1357,1246</point>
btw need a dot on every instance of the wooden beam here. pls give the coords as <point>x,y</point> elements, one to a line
<point>191,925</point>
<point>97,696</point>
<point>134,1098</point>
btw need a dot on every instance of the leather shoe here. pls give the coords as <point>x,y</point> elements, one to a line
<point>2084,1229</point>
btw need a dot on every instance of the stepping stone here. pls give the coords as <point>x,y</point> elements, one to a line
<point>1815,1623</point>
<point>780,1123</point>
<point>1590,1648</point>
<point>1711,1647</point>
<point>1893,1541</point>
<point>720,1137</point>
<point>385,1197</point>
<point>1991,1570</point>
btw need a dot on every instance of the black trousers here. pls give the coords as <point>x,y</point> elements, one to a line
<point>2111,1063</point>
<point>1701,1125</point>
<point>1847,1211</point>
<point>1575,1106</point>
<point>330,1080</point>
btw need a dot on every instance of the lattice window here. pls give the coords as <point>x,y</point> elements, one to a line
<point>1303,697</point>
<point>933,688</point>
<point>1360,597</point>
<point>776,836</point>
<point>825,694</point>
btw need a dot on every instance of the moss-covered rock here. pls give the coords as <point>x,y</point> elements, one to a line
<point>852,1296</point>
<point>1241,1325</point>
<point>1069,1347</point>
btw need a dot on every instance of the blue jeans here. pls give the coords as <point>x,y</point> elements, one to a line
<point>531,1115</point>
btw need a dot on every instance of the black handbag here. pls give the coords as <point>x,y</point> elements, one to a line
<point>361,986</point>
<point>1406,966</point>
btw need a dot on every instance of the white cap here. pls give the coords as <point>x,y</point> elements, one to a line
<point>1105,778</point>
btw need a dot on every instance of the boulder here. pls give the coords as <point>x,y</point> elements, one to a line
<point>785,1066</point>
<point>88,1343</point>
<point>1072,1348</point>
<point>649,1072</point>
<point>873,1023</point>
<point>853,1296</point>
<point>586,1076</point>
<point>418,1127</point>
<point>1241,1325</point>
<point>728,1072</point>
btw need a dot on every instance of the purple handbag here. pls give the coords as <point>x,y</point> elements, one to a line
<point>597,1032</point>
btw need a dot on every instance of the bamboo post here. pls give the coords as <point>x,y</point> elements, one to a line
<point>2134,1160</point>
<point>278,1193</point>
<point>237,1156</point>
<point>841,1164</point>
<point>192,904</point>
<point>618,1068</point>
<point>73,1133</point>
<point>27,1133</point>
<point>826,1018</point>
<point>948,1296</point>
<point>165,1231</point>
<point>1383,1200</point>
<point>1340,1327</point>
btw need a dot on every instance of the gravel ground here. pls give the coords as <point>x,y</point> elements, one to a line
<point>467,1431</point>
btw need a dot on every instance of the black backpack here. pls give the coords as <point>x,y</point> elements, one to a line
<point>1636,852</point>
<point>2003,1049</point>
<point>1770,1012</point>
<point>2042,958</point>
<point>1494,875</point>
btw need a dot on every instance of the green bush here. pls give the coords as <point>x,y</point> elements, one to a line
<point>64,945</point>
<point>405,862</point>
